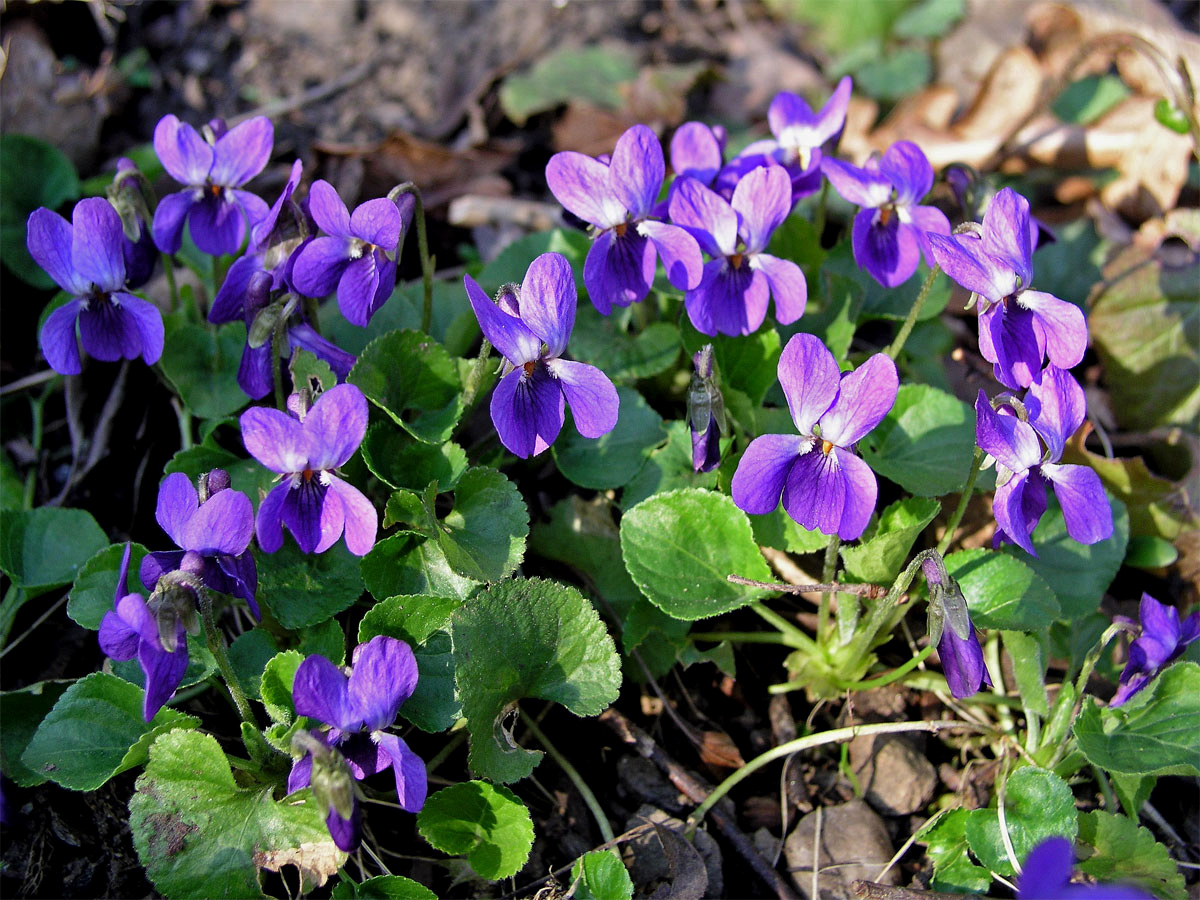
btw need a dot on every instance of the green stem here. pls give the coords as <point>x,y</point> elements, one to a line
<point>960,510</point>
<point>580,785</point>
<point>991,653</point>
<point>169,269</point>
<point>911,319</point>
<point>312,313</point>
<point>277,346</point>
<point>475,376</point>
<point>894,675</point>
<point>802,640</point>
<point>744,637</point>
<point>217,647</point>
<point>930,681</point>
<point>827,573</point>
<point>442,755</point>
<point>423,248</point>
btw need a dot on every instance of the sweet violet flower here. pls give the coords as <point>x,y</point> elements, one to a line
<point>530,325</point>
<point>357,708</point>
<point>1046,875</point>
<point>131,629</point>
<point>732,296</point>
<point>957,643</point>
<point>706,412</point>
<point>86,258</point>
<point>213,528</point>
<point>357,254</point>
<point>617,198</point>
<point>1162,641</point>
<point>824,485</point>
<point>313,502</point>
<point>1018,327</point>
<point>890,233</point>
<point>1055,406</point>
<point>213,205</point>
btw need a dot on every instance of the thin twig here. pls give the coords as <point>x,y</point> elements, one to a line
<point>870,591</point>
<point>870,890</point>
<point>276,108</point>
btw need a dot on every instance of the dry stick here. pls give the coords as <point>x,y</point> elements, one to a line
<point>870,591</point>
<point>697,792</point>
<point>870,890</point>
<point>349,78</point>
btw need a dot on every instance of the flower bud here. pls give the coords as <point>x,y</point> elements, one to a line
<point>216,480</point>
<point>706,412</point>
<point>332,783</point>
<point>508,298</point>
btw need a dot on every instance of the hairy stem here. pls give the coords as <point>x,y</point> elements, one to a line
<point>422,247</point>
<point>217,647</point>
<point>911,319</point>
<point>960,510</point>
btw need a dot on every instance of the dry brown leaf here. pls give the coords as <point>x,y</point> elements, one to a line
<point>316,861</point>
<point>718,749</point>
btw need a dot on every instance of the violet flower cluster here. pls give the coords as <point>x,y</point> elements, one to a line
<point>1162,641</point>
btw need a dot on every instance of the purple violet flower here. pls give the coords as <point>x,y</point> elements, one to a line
<point>357,255</point>
<point>823,483</point>
<point>697,151</point>
<point>1055,404</point>
<point>357,708</point>
<point>732,296</point>
<point>132,629</point>
<point>890,233</point>
<point>958,645</point>
<point>128,198</point>
<point>213,205</point>
<point>617,198</point>
<point>530,325</point>
<point>314,504</point>
<point>1162,641</point>
<point>1017,327</point>
<point>1046,875</point>
<point>706,412</point>
<point>86,258</point>
<point>214,532</point>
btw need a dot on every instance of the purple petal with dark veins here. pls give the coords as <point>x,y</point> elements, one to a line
<point>383,676</point>
<point>186,156</point>
<point>268,524</point>
<point>409,769</point>
<point>581,185</point>
<point>377,222</point>
<point>762,200</point>
<point>275,439</point>
<point>97,242</point>
<point>107,334</point>
<point>527,411</point>
<point>507,333</point>
<point>169,216</point>
<point>49,239</point>
<point>728,301</point>
<point>619,270</point>
<point>590,394</point>
<point>361,520</point>
<point>217,225</point>
<point>864,397</point>
<point>889,252</point>
<point>1010,339</point>
<point>242,152</point>
<point>57,340</point>
<point>809,377</point>
<point>321,691</point>
<point>763,470</point>
<point>145,320</point>
<point>548,301</point>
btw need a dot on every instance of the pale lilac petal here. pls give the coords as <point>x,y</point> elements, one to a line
<point>809,376</point>
<point>319,266</point>
<point>185,155</point>
<point>177,502</point>
<point>357,290</point>
<point>527,411</point>
<point>320,691</point>
<point>361,520</point>
<point>1007,235</point>
<point>507,334</point>
<point>218,226</point>
<point>57,339</point>
<point>268,525</point>
<point>335,426</point>
<point>1063,325</point>
<point>619,270</point>
<point>96,244</point>
<point>962,258</point>
<point>788,286</point>
<point>382,677</point>
<point>636,171</point>
<point>679,251</point>
<point>222,524</point>
<point>328,210</point>
<point>1012,443</point>
<point>377,222</point>
<point>1056,408</point>
<point>763,469</point>
<point>275,439</point>
<point>864,398</point>
<point>832,117</point>
<point>862,490</point>
<point>763,200</point>
<point>706,215</point>
<point>144,318</point>
<point>1010,339</point>
<point>1013,505</point>
<point>814,493</point>
<point>590,394</point>
<point>889,252</point>
<point>548,301</point>
<point>791,120</point>
<point>580,184</point>
<point>164,671</point>
<point>409,769</point>
<point>696,152</point>
<point>1085,508</point>
<point>924,221</point>
<point>863,187</point>
<point>905,165</point>
<point>169,217</point>
<point>49,239</point>
<point>242,152</point>
<point>107,334</point>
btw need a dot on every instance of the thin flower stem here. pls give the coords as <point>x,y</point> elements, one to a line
<point>744,637</point>
<point>804,642</point>
<point>422,247</point>
<point>827,573</point>
<point>475,376</point>
<point>169,269</point>
<point>277,346</point>
<point>217,647</point>
<point>571,772</point>
<point>911,319</point>
<point>991,652</point>
<point>312,310</point>
<point>960,510</point>
<point>894,675</point>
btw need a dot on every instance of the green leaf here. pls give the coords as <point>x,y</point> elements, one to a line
<point>1084,101</point>
<point>410,564</point>
<point>304,589</point>
<point>514,260</point>
<point>96,731</point>
<point>32,174</point>
<point>591,74</point>
<point>925,444</point>
<point>523,639</point>
<point>878,302</point>
<point>12,488</point>
<point>680,546</point>
<point>953,871</point>
<point>1002,591</point>
<point>412,619</point>
<point>1157,735</point>
<point>1125,852</point>
<point>200,835</point>
<point>880,558</point>
<point>1037,805</point>
<point>484,822</point>
<point>22,711</point>
<point>412,378</point>
<point>246,475</point>
<point>779,530</point>
<point>797,240</point>
<point>895,75</point>
<point>96,584</point>
<point>1132,791</point>
<point>203,369</point>
<point>620,355</point>
<point>842,26</point>
<point>668,468</point>
<point>400,462</point>
<point>600,875</point>
<point>1171,116</point>
<point>1150,552</point>
<point>383,887</point>
<point>275,686</point>
<point>929,19</point>
<point>249,654</point>
<point>1079,574</point>
<point>612,460</point>
<point>326,639</point>
<point>835,322</point>
<point>483,536</point>
<point>1028,654</point>
<point>45,547</point>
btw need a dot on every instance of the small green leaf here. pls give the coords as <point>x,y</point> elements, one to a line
<point>749,364</point>
<point>96,731</point>
<point>249,654</point>
<point>44,548</point>
<point>1037,805</point>
<point>400,462</point>
<point>1002,591</point>
<point>203,369</point>
<point>200,835</point>
<point>22,711</point>
<point>779,530</point>
<point>600,875</point>
<point>96,584</point>
<point>613,459</point>
<point>32,174</point>
<point>411,564</point>
<point>623,356</point>
<point>309,369</point>
<point>1125,852</point>
<point>1150,552</point>
<point>326,639</point>
<point>1086,100</point>
<point>12,487</point>
<point>929,19</point>
<point>484,822</point>
<point>878,302</point>
<point>679,547</point>
<point>412,619</point>
<point>953,871</point>
<point>304,589</point>
<point>895,75</point>
<point>383,887</point>
<point>483,536</point>
<point>1028,653</point>
<point>412,378</point>
<point>523,639</point>
<point>275,686</point>
<point>880,558</point>
<point>1171,116</point>
<point>249,476</point>
<point>668,468</point>
<point>591,74</point>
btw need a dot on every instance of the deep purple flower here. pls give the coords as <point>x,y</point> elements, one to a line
<point>86,258</point>
<point>798,134</point>
<point>739,279</point>
<point>706,412</point>
<point>1162,641</point>
<point>311,500</point>
<point>823,483</point>
<point>617,198</point>
<point>214,170</point>
<point>1055,405</point>
<point>530,326</point>
<point>127,196</point>
<point>216,528</point>
<point>357,255</point>
<point>1017,327</point>
<point>132,629</point>
<point>357,709</point>
<point>890,233</point>
<point>958,646</point>
<point>1046,875</point>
